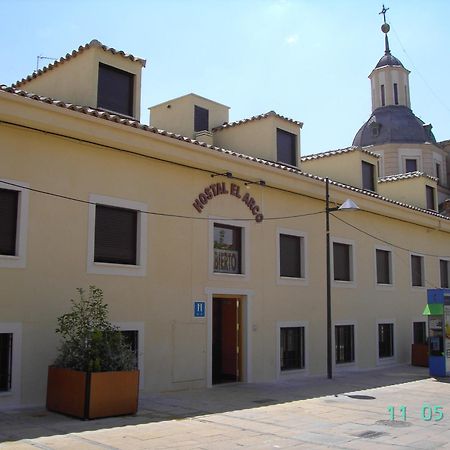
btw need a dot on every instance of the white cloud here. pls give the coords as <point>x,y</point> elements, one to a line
<point>292,39</point>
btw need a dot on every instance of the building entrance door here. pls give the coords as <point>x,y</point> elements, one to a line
<point>226,340</point>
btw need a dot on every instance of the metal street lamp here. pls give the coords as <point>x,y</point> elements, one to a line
<point>348,205</point>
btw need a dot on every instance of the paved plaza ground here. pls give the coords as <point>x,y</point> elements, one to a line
<point>352,411</point>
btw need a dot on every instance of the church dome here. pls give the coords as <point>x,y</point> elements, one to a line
<point>393,124</point>
<point>388,60</point>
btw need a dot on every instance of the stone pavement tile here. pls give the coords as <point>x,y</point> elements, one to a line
<point>430,444</point>
<point>210,432</point>
<point>185,444</point>
<point>66,442</point>
<point>272,441</point>
<point>131,443</point>
<point>371,444</point>
<point>320,438</point>
<point>356,427</point>
<point>244,424</point>
<point>17,445</point>
<point>223,445</point>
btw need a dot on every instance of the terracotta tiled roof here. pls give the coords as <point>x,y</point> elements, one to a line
<point>405,176</point>
<point>340,151</point>
<point>135,124</point>
<point>251,119</point>
<point>82,48</point>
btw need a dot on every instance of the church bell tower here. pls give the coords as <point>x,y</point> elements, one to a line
<point>389,79</point>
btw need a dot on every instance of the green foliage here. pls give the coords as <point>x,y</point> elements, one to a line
<point>89,341</point>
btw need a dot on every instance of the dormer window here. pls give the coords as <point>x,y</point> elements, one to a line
<point>115,90</point>
<point>427,127</point>
<point>368,176</point>
<point>286,147</point>
<point>375,129</point>
<point>431,205</point>
<point>410,165</point>
<point>201,119</point>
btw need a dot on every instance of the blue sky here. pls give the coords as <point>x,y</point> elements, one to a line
<point>308,60</point>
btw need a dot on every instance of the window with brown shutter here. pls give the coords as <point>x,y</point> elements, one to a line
<point>115,235</point>
<point>286,147</point>
<point>9,200</point>
<point>290,256</point>
<point>430,198</point>
<point>384,270</point>
<point>368,176</point>
<point>201,119</point>
<point>342,262</point>
<point>417,270</point>
<point>115,90</point>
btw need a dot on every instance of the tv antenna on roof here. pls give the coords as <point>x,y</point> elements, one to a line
<point>39,58</point>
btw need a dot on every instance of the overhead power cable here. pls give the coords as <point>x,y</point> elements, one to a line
<point>435,95</point>
<point>388,242</point>
<point>155,213</point>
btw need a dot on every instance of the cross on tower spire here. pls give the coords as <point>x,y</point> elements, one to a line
<point>384,11</point>
<point>385,29</point>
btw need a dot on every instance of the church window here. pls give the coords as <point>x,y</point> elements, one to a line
<point>383,97</point>
<point>395,93</point>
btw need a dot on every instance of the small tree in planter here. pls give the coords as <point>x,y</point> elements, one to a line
<point>95,372</point>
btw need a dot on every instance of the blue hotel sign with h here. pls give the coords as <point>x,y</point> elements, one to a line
<point>199,309</point>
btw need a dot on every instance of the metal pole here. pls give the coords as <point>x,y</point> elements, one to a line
<point>327,216</point>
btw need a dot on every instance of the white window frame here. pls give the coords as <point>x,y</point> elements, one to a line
<point>294,373</point>
<point>245,248</point>
<point>12,397</point>
<point>423,271</point>
<point>390,359</point>
<point>391,267</point>
<point>138,270</point>
<point>303,279</point>
<point>19,260</point>
<point>405,154</point>
<point>349,365</point>
<point>339,283</point>
<point>139,327</point>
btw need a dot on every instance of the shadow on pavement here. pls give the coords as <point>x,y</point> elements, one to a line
<point>37,422</point>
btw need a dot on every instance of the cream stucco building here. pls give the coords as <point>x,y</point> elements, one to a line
<point>207,237</point>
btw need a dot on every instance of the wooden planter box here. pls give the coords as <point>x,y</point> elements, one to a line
<point>419,355</point>
<point>91,395</point>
